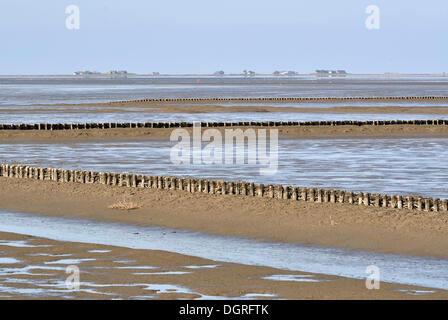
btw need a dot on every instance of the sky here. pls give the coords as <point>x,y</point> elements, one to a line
<point>204,36</point>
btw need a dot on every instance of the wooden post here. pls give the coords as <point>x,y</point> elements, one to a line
<point>326,196</point>
<point>320,196</point>
<point>221,187</point>
<point>212,186</point>
<point>294,194</point>
<point>260,190</point>
<point>367,199</point>
<point>102,178</point>
<point>419,204</point>
<point>270,192</point>
<point>360,198</point>
<point>251,189</point>
<point>435,204</point>
<point>341,197</point>
<point>181,183</point>
<point>410,202</point>
<point>231,187</point>
<point>83,176</point>
<point>445,205</point>
<point>279,191</point>
<point>303,193</point>
<point>332,196</point>
<point>384,201</point>
<point>427,205</point>
<point>350,197</point>
<point>312,194</point>
<point>159,182</point>
<point>376,200</point>
<point>133,180</point>
<point>115,179</point>
<point>206,186</point>
<point>399,202</point>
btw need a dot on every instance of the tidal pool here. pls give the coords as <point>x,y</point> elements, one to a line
<point>404,166</point>
<point>418,271</point>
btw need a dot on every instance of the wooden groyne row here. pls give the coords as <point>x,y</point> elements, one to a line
<point>215,187</point>
<point>284,99</point>
<point>113,125</point>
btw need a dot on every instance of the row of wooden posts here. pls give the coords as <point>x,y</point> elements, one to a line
<point>286,99</point>
<point>113,125</point>
<point>214,187</point>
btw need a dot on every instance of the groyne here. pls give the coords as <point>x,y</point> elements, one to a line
<point>283,99</point>
<point>219,187</point>
<point>114,125</point>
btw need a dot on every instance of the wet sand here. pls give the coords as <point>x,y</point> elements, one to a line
<point>329,225</point>
<point>37,270</point>
<point>157,107</point>
<point>308,132</point>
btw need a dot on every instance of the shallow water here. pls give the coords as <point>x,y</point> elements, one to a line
<point>37,90</point>
<point>6,260</point>
<point>427,272</point>
<point>391,165</point>
<point>45,276</point>
<point>293,277</point>
<point>30,91</point>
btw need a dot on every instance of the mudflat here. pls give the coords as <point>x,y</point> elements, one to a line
<point>157,107</point>
<point>37,269</point>
<point>320,224</point>
<point>308,132</point>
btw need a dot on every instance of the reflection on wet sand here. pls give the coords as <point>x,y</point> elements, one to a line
<point>287,257</point>
<point>37,272</point>
<point>41,274</point>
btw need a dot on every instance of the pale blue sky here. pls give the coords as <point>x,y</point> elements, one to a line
<point>202,36</point>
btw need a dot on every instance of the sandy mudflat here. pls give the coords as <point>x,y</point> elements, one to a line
<point>327,132</point>
<point>107,272</point>
<point>330,225</point>
<point>167,108</point>
<point>157,107</point>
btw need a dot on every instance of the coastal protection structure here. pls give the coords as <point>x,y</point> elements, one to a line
<point>114,125</point>
<point>283,99</point>
<point>219,187</point>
